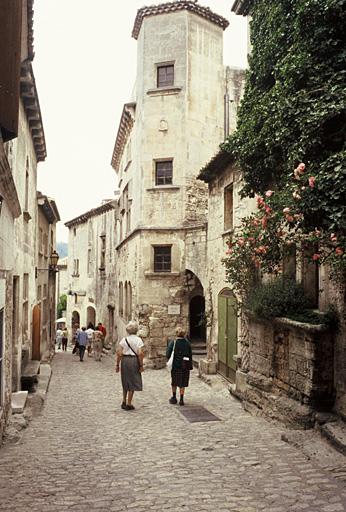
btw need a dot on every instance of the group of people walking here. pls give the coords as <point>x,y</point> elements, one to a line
<point>129,362</point>
<point>90,339</point>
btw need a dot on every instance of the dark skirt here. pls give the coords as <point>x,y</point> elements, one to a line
<point>180,378</point>
<point>131,378</point>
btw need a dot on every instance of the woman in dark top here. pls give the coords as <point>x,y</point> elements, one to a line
<point>182,364</point>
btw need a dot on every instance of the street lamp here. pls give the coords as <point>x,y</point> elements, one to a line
<point>53,263</point>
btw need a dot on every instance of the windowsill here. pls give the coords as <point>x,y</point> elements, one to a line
<point>163,91</point>
<point>228,232</point>
<point>163,187</point>
<point>26,216</point>
<point>102,269</point>
<point>161,274</point>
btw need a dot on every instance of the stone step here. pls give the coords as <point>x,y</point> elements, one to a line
<point>30,375</point>
<point>335,432</point>
<point>18,401</point>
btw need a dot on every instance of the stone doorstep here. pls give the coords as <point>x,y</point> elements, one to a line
<point>335,432</point>
<point>18,401</point>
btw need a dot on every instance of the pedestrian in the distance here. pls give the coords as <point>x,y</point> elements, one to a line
<point>130,358</point>
<point>64,339</point>
<point>82,340</point>
<point>59,338</point>
<point>90,333</point>
<point>97,344</point>
<point>182,364</point>
<point>102,329</point>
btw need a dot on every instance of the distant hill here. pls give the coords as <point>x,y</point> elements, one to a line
<point>61,248</point>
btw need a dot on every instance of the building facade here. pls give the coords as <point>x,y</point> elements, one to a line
<point>173,125</point>
<point>91,270</point>
<point>22,147</point>
<point>44,311</point>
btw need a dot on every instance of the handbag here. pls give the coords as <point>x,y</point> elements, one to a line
<point>186,364</point>
<point>169,363</point>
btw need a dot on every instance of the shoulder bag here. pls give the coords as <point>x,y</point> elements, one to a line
<point>170,360</point>
<point>128,344</point>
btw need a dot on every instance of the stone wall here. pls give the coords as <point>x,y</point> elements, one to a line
<point>290,370</point>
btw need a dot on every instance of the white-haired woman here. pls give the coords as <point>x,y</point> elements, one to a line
<point>182,364</point>
<point>130,359</point>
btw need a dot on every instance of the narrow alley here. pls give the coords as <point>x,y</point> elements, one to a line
<point>85,453</point>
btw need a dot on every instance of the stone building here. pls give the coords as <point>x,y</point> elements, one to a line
<point>225,211</point>
<point>286,369</point>
<point>174,123</point>
<point>91,269</point>
<point>22,146</point>
<point>62,278</point>
<point>44,311</point>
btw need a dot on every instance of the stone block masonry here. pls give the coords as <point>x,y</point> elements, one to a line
<point>152,459</point>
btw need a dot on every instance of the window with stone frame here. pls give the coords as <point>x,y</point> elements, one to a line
<point>164,172</point>
<point>165,75</point>
<point>228,207</point>
<point>25,321</point>
<point>103,252</point>
<point>75,268</point>
<point>162,258</point>
<point>90,262</point>
<point>121,300</point>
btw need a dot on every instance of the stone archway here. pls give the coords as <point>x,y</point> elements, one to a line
<point>197,318</point>
<point>75,322</point>
<point>90,315</point>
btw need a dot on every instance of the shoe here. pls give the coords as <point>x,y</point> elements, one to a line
<point>173,400</point>
<point>181,402</point>
<point>124,406</point>
<point>130,407</point>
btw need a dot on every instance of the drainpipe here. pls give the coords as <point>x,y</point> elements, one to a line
<point>226,105</point>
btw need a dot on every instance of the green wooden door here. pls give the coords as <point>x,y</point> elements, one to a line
<point>227,334</point>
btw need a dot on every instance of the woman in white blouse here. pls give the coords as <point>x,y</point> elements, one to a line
<point>130,359</point>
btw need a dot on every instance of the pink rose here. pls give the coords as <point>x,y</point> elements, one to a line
<point>289,218</point>
<point>316,256</point>
<point>241,242</point>
<point>333,237</point>
<point>267,209</point>
<point>286,210</point>
<point>312,180</point>
<point>301,168</point>
<point>339,251</point>
<point>269,193</point>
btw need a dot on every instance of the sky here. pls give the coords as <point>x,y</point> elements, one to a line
<point>85,68</point>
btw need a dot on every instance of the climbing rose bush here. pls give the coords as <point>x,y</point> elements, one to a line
<point>276,228</point>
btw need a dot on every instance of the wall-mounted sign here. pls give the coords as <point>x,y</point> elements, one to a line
<point>174,309</point>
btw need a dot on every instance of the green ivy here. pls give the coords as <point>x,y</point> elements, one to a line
<point>294,106</point>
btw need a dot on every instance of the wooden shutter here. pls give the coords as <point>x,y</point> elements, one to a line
<point>10,60</point>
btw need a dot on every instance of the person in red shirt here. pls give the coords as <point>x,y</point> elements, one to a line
<point>102,329</point>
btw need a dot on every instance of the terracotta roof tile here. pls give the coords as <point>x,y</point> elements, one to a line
<point>178,5</point>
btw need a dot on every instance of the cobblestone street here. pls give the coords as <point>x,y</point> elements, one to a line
<point>83,453</point>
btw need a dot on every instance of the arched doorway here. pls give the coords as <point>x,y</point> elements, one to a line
<point>91,315</point>
<point>36,333</point>
<point>75,322</point>
<point>197,318</point>
<point>227,333</point>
